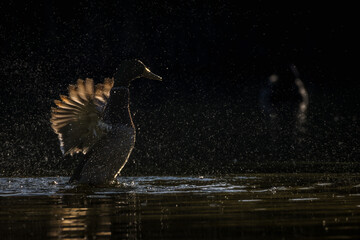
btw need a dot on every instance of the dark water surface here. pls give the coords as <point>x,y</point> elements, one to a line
<point>250,206</point>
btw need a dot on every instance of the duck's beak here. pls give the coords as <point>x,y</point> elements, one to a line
<point>148,74</point>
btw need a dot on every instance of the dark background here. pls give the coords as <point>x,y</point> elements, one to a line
<point>214,57</point>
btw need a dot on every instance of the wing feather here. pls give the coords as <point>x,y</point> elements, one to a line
<point>77,117</point>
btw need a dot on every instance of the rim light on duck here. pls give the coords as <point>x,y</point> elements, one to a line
<point>96,121</point>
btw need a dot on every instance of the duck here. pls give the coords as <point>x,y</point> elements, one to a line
<point>95,122</point>
<point>285,94</point>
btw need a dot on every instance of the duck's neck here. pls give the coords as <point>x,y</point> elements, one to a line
<point>123,78</point>
<point>117,109</point>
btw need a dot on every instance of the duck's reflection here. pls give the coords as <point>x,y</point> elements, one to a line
<point>86,217</point>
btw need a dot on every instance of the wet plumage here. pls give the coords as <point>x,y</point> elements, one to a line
<point>95,120</point>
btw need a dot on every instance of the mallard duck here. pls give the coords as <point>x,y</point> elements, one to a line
<point>96,121</point>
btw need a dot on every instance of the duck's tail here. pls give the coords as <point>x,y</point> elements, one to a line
<point>77,117</point>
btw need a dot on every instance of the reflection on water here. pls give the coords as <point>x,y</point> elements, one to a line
<point>255,206</point>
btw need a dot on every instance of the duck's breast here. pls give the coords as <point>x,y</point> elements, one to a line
<point>108,156</point>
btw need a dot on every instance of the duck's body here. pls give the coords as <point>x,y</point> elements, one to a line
<point>99,124</point>
<point>103,163</point>
<point>110,153</point>
<point>284,95</point>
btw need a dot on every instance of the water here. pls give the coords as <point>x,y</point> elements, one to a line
<point>251,206</point>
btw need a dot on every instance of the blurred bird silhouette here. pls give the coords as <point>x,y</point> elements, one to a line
<point>285,96</point>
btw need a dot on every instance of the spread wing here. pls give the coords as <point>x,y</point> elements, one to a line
<point>77,118</point>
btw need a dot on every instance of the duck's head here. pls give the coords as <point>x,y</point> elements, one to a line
<point>132,69</point>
